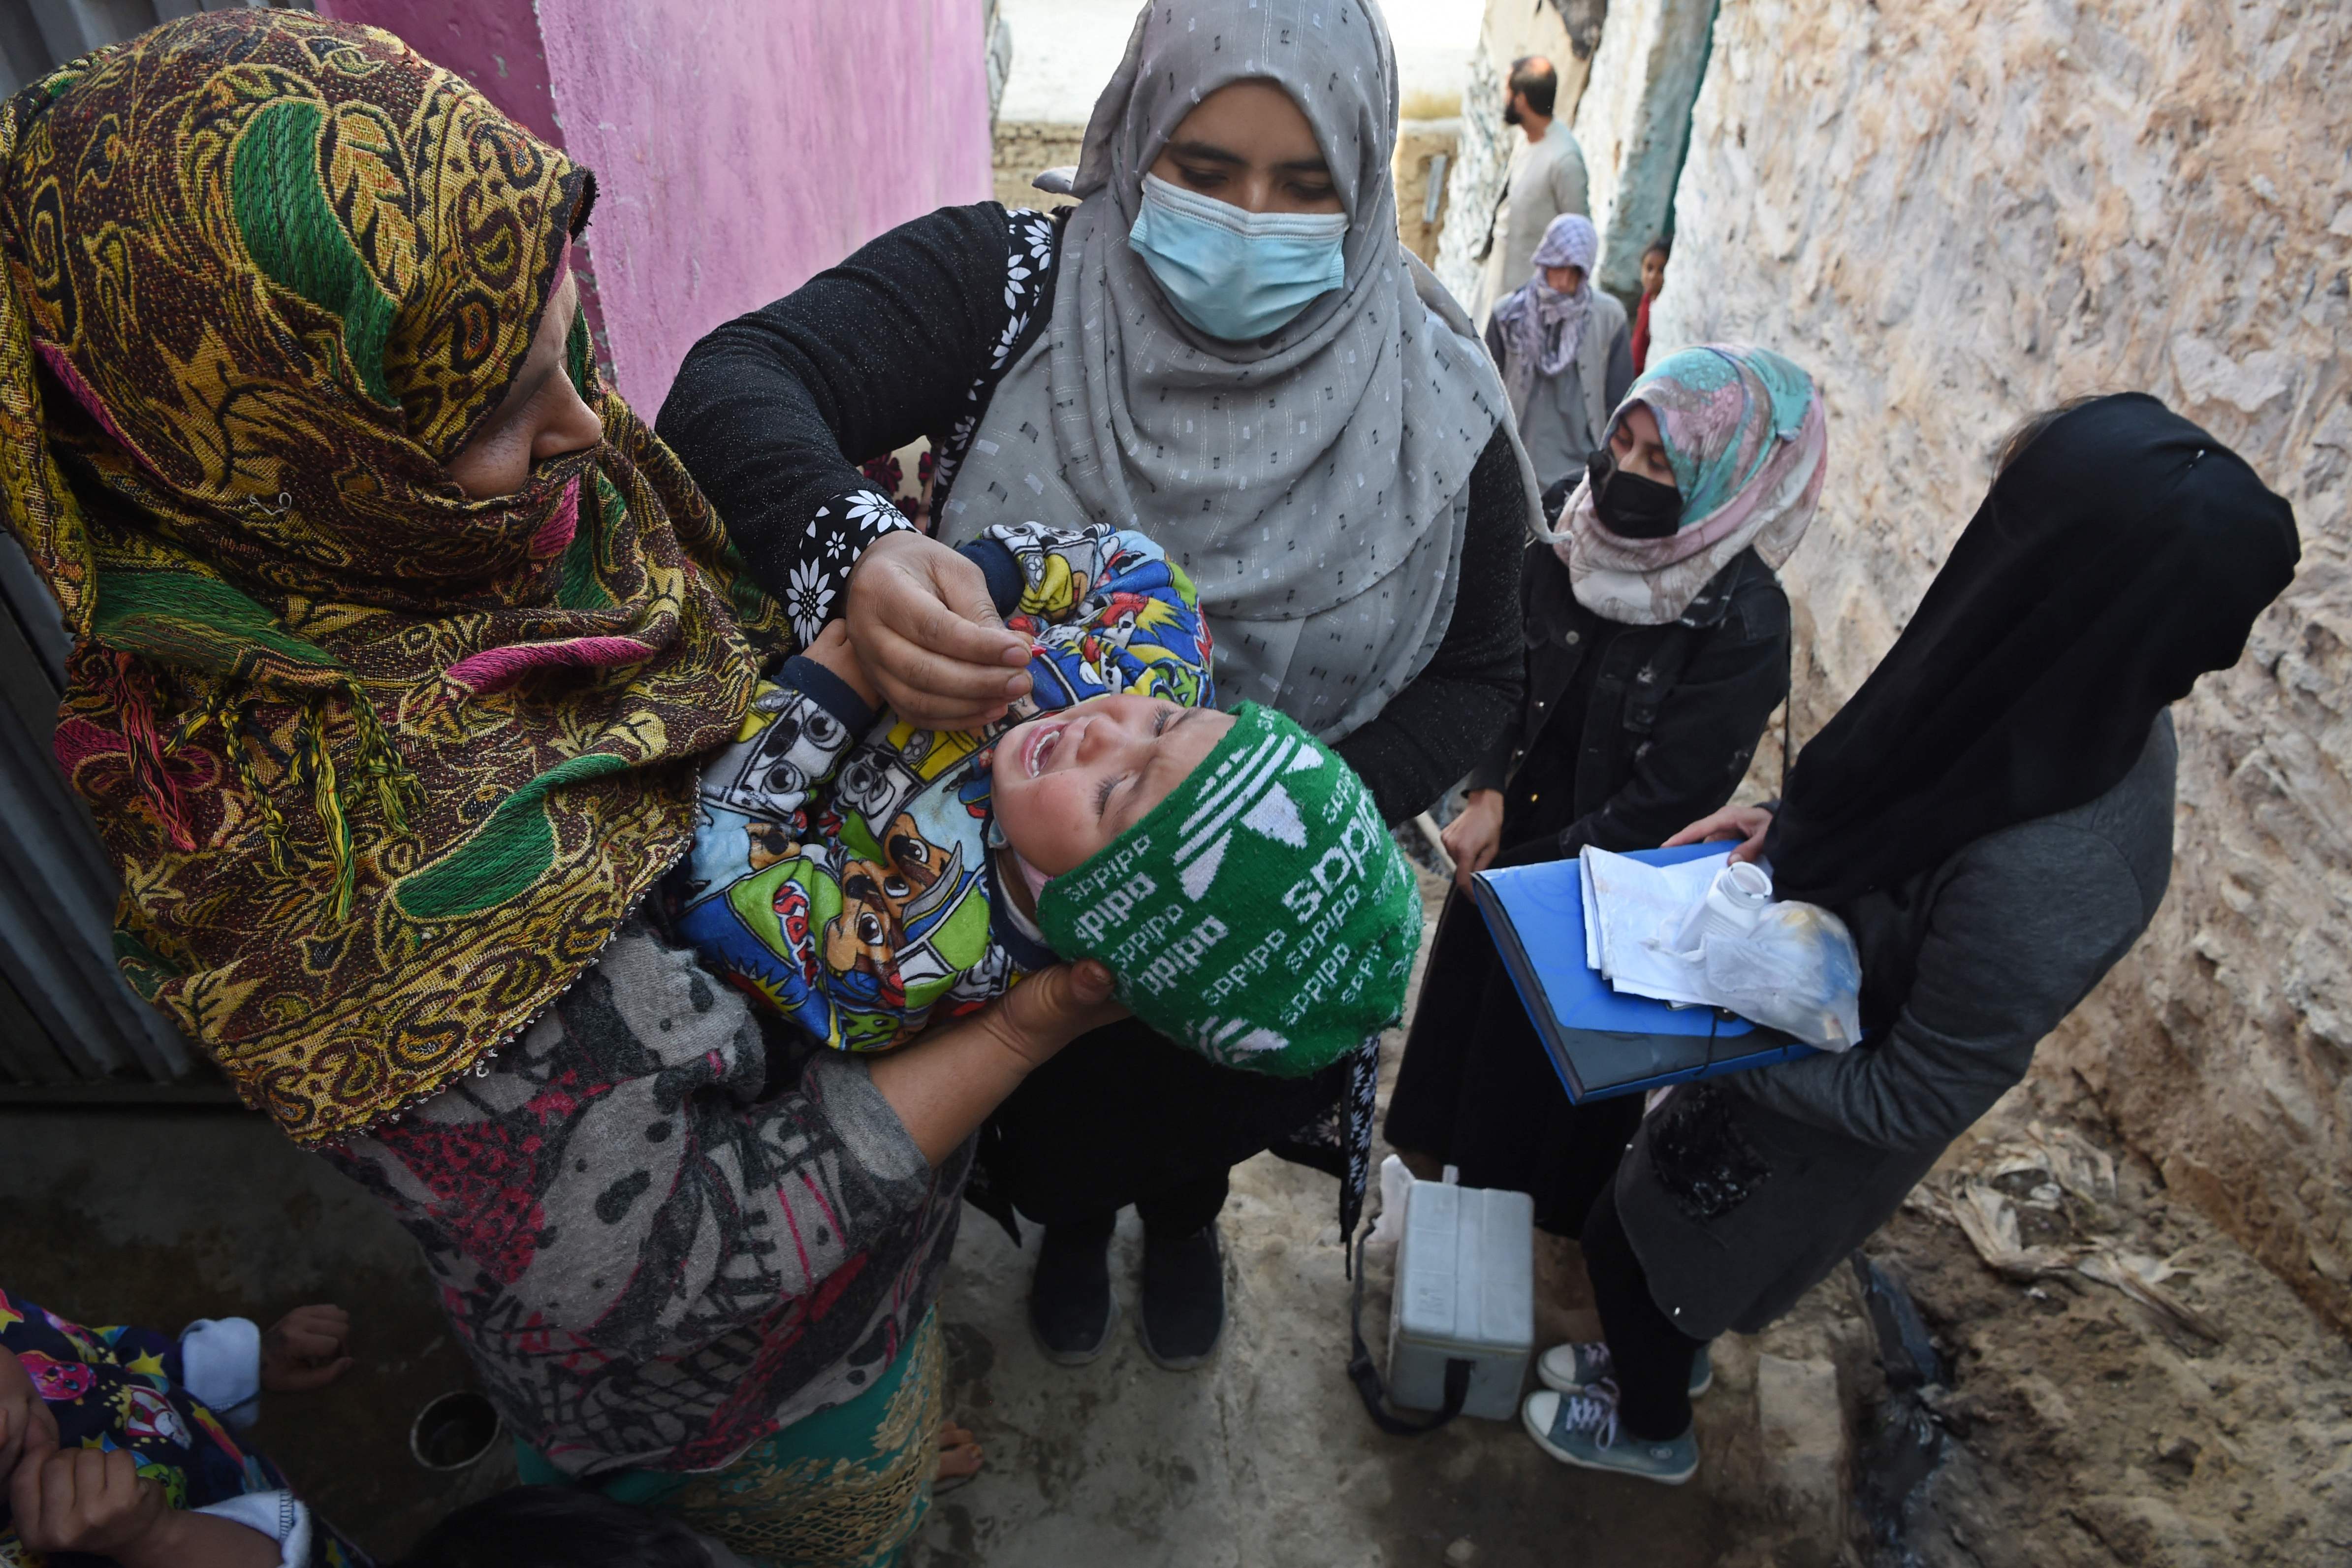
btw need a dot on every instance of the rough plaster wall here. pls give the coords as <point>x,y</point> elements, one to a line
<point>1957,211</point>
<point>740,150</point>
<point>1633,123</point>
<point>1483,152</point>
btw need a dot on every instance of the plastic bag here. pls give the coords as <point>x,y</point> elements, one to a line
<point>1796,968</point>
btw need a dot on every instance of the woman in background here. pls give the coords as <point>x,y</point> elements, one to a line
<point>1565,355</point>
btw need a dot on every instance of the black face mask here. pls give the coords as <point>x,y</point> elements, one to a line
<point>1632,506</point>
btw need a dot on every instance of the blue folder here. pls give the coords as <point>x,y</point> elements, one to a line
<point>1604,1042</point>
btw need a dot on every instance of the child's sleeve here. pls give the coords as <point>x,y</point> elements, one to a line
<point>800,725</point>
<point>789,896</point>
<point>1135,626</point>
<point>220,1364</point>
<point>279,1515</point>
<point>1051,573</point>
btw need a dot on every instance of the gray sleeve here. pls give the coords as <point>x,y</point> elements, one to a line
<point>618,1170</point>
<point>1568,180</point>
<point>2019,933</point>
<point>867,1125</point>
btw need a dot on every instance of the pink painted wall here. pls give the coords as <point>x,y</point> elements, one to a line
<point>739,149</point>
<point>494,44</point>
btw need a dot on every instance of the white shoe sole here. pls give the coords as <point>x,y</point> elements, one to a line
<point>1558,1384</point>
<point>1176,1364</point>
<point>1543,1441</point>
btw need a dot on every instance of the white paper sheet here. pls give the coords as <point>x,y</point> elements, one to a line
<point>1634,908</point>
<point>1591,914</point>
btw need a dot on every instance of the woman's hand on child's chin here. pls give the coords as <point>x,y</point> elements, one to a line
<point>1052,1007</point>
<point>930,635</point>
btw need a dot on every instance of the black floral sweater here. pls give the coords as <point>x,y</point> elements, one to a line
<point>774,412</point>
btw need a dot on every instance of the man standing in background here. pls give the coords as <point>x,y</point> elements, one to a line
<point>1546,179</point>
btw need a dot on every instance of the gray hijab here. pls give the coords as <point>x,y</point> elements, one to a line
<point>1314,484</point>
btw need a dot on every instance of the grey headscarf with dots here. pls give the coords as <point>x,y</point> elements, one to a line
<point>1315,483</point>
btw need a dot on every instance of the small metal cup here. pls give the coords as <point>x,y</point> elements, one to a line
<point>453,1431</point>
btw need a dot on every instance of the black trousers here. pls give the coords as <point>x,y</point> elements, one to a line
<point>1650,1357</point>
<point>1172,1212</point>
<point>1122,1116</point>
<point>1475,1089</point>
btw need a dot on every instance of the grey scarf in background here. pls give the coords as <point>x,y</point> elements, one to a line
<point>1315,483</point>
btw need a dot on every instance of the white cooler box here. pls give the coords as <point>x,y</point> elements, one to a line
<point>1466,1290</point>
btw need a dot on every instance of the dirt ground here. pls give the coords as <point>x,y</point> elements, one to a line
<point>2205,1420</point>
<point>2089,1427</point>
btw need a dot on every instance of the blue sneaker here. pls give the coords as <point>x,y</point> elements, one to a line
<point>1581,1429</point>
<point>1574,1367</point>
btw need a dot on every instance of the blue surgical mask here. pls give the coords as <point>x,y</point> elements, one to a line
<point>1236,275</point>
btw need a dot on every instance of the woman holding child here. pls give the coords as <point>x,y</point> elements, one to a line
<point>1225,347</point>
<point>397,641</point>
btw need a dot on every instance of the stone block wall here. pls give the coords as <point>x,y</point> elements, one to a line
<point>1025,149</point>
<point>1956,211</point>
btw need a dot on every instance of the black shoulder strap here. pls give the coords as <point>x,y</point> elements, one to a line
<point>1367,1377</point>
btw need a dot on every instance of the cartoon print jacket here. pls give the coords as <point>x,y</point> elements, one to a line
<point>121,1387</point>
<point>848,881</point>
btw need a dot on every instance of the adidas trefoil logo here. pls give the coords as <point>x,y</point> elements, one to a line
<point>1250,796</point>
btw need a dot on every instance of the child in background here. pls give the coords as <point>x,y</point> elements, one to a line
<point>1654,278</point>
<point>110,1444</point>
<point>1229,869</point>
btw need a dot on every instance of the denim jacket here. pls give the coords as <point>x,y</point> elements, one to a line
<point>1676,710</point>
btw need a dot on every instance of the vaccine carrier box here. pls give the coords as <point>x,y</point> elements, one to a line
<point>1466,1290</point>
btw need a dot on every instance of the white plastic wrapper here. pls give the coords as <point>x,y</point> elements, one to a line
<point>1395,1181</point>
<point>1795,969</point>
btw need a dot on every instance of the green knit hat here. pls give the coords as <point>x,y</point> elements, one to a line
<point>1261,914</point>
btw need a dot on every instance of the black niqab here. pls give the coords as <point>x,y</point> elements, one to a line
<point>2123,555</point>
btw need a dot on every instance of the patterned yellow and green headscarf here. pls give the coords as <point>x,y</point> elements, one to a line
<point>381,766</point>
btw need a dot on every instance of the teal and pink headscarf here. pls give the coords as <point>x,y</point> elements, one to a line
<point>1749,443</point>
